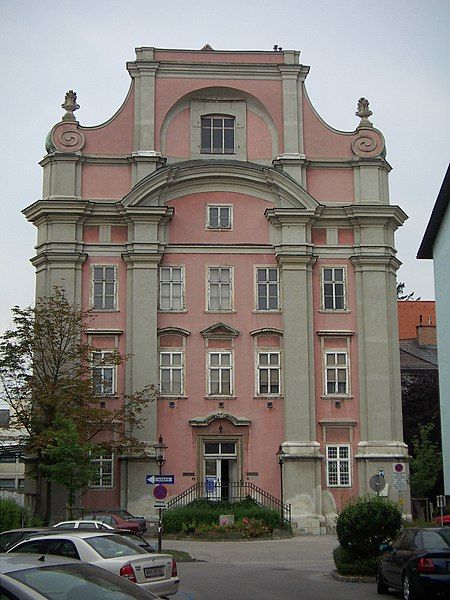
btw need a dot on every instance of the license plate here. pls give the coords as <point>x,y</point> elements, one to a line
<point>153,572</point>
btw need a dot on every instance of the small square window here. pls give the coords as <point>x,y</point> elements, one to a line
<point>219,216</point>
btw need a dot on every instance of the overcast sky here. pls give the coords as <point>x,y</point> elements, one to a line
<point>393,52</point>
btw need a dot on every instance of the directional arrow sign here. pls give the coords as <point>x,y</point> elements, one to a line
<point>167,479</point>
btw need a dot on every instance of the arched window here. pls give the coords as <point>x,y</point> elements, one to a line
<point>217,135</point>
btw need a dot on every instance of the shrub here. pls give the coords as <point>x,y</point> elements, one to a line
<point>365,523</point>
<point>206,512</point>
<point>10,514</point>
<point>347,565</point>
<point>247,529</point>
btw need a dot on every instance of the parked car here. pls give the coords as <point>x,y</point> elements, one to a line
<point>28,577</point>
<point>417,563</point>
<point>136,539</point>
<point>12,536</point>
<point>153,572</point>
<point>442,521</point>
<point>118,518</point>
<point>83,524</point>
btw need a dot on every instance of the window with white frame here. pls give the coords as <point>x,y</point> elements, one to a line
<point>171,373</point>
<point>336,373</point>
<point>268,367</point>
<point>267,288</point>
<point>102,462</point>
<point>333,288</point>
<point>104,283</point>
<point>219,374</point>
<point>171,288</point>
<point>217,134</point>
<point>220,288</point>
<point>103,373</point>
<point>219,216</point>
<point>338,465</point>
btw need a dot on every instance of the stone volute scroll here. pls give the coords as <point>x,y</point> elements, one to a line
<point>65,136</point>
<point>369,142</point>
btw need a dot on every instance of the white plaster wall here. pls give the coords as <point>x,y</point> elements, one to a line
<point>441,255</point>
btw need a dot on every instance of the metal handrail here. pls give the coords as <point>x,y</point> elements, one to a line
<point>232,492</point>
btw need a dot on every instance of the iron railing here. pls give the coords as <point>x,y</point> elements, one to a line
<point>235,491</point>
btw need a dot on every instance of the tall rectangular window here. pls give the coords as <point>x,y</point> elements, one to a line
<point>217,134</point>
<point>103,374</point>
<point>220,288</point>
<point>219,374</point>
<point>336,373</point>
<point>104,287</point>
<point>267,288</point>
<point>102,462</point>
<point>268,373</point>
<point>171,373</point>
<point>171,288</point>
<point>333,288</point>
<point>219,216</point>
<point>338,466</point>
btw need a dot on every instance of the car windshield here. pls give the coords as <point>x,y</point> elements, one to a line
<point>124,514</point>
<point>433,540</point>
<point>113,546</point>
<point>76,581</point>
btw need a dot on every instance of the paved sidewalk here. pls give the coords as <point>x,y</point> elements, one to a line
<point>314,552</point>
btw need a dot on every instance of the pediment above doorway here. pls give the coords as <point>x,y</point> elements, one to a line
<point>218,416</point>
<point>219,330</point>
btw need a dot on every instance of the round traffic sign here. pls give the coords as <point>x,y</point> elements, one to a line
<point>160,492</point>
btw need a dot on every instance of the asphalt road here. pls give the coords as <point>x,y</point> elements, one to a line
<point>293,569</point>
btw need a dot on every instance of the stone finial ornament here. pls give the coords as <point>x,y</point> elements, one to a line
<point>70,106</point>
<point>364,112</point>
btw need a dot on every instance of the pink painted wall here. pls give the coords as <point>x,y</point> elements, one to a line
<point>189,221</point>
<point>259,140</point>
<point>105,181</point>
<point>178,134</point>
<point>321,141</point>
<point>170,90</point>
<point>325,408</point>
<point>331,185</point>
<point>114,136</point>
<point>196,56</point>
<point>173,422</point>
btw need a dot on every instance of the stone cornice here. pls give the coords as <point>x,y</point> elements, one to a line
<point>266,331</point>
<point>375,214</point>
<point>43,258</point>
<point>146,214</point>
<point>291,216</point>
<point>179,179</point>
<point>63,209</point>
<point>175,330</point>
<point>370,262</point>
<point>217,416</point>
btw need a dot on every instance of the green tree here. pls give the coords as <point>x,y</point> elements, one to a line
<point>401,295</point>
<point>67,460</point>
<point>46,377</point>
<point>425,464</point>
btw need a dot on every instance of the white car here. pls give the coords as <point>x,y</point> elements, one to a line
<point>83,525</point>
<point>153,572</point>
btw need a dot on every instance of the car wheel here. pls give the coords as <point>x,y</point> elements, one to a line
<point>409,592</point>
<point>382,588</point>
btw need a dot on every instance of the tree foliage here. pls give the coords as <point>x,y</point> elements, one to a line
<point>46,372</point>
<point>425,464</point>
<point>401,295</point>
<point>46,377</point>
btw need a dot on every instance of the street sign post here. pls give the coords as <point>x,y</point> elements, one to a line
<point>440,501</point>
<point>154,479</point>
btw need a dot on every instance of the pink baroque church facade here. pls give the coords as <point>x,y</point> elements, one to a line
<point>242,251</point>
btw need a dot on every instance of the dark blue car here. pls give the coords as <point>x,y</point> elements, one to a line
<point>417,563</point>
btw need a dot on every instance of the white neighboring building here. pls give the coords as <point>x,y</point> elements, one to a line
<point>436,245</point>
<point>12,467</point>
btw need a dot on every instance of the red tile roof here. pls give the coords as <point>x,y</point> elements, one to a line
<point>409,313</point>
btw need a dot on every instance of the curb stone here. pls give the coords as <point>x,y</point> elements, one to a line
<point>352,578</point>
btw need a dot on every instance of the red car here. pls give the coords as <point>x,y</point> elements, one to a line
<point>116,520</point>
<point>442,521</point>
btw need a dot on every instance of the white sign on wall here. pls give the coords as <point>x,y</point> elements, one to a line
<point>399,481</point>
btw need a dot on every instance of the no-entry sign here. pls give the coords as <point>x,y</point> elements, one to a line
<point>160,492</point>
